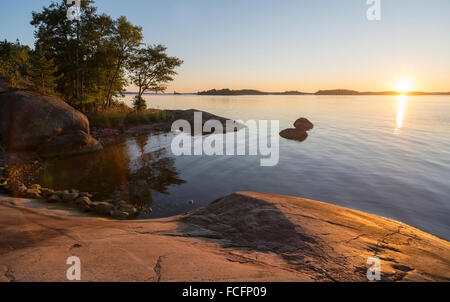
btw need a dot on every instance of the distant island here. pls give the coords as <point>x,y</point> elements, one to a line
<point>247,92</point>
<point>230,92</point>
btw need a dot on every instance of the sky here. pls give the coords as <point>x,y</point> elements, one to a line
<point>281,45</point>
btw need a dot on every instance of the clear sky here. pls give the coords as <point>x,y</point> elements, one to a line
<point>278,45</point>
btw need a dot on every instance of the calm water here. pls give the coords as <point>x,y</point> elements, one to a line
<point>385,155</point>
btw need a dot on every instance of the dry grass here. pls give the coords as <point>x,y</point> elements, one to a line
<point>120,117</point>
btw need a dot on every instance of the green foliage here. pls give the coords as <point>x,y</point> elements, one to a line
<point>151,69</point>
<point>139,103</point>
<point>43,72</point>
<point>89,62</point>
<point>14,62</point>
<point>89,53</point>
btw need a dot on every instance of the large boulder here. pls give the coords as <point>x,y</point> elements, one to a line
<point>31,122</point>
<point>189,116</point>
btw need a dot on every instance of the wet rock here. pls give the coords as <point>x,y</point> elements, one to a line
<point>32,193</point>
<point>53,199</point>
<point>77,142</point>
<point>294,134</point>
<point>47,192</point>
<point>66,196</point>
<point>20,188</point>
<point>303,124</point>
<point>85,194</point>
<point>119,215</point>
<point>104,208</point>
<point>83,203</point>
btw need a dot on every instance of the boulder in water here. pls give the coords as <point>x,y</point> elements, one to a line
<point>294,134</point>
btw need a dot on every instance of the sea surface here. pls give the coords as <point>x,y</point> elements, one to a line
<point>386,155</point>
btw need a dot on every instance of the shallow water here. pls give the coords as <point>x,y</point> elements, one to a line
<point>385,155</point>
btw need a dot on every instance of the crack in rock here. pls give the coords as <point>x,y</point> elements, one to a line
<point>157,269</point>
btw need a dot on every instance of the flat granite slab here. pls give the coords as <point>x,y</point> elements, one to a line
<point>245,236</point>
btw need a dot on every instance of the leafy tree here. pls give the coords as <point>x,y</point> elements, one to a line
<point>125,40</point>
<point>14,60</point>
<point>43,72</point>
<point>151,68</point>
<point>80,49</point>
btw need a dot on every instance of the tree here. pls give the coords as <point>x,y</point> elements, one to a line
<point>125,40</point>
<point>150,68</point>
<point>14,60</point>
<point>81,50</point>
<point>43,72</point>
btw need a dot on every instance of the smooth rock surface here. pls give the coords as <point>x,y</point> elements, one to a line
<point>29,121</point>
<point>242,237</point>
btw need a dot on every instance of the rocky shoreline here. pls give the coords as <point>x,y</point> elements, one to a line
<point>245,236</point>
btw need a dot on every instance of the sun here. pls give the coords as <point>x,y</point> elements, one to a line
<point>403,86</point>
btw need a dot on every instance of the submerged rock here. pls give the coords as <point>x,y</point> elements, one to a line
<point>77,142</point>
<point>53,199</point>
<point>120,215</point>
<point>104,208</point>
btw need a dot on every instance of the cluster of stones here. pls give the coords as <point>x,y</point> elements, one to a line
<point>80,200</point>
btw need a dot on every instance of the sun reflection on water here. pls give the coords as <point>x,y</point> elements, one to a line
<point>401,101</point>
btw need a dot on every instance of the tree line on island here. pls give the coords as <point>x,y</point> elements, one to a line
<point>88,62</point>
<point>229,92</point>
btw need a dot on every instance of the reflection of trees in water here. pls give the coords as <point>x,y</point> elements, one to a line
<point>112,174</point>
<point>153,171</point>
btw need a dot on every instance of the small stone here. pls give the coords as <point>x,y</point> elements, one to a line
<point>119,215</point>
<point>53,199</point>
<point>133,212</point>
<point>21,188</point>
<point>67,197</point>
<point>104,208</point>
<point>32,193</point>
<point>85,194</point>
<point>36,187</point>
<point>47,192</point>
<point>83,202</point>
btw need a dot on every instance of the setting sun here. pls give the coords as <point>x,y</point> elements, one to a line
<point>403,86</point>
